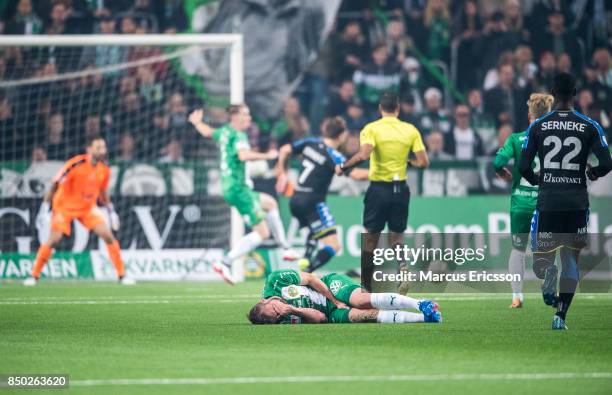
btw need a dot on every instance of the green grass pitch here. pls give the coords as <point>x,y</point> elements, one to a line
<point>196,336</point>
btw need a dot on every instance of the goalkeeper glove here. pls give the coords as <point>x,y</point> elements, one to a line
<point>115,223</point>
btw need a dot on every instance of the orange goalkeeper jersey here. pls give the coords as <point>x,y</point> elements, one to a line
<point>79,184</point>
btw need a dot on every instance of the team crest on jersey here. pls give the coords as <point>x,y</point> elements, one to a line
<point>335,286</point>
<point>292,291</point>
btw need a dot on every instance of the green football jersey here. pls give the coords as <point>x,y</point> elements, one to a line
<point>233,170</point>
<point>524,195</point>
<point>286,285</point>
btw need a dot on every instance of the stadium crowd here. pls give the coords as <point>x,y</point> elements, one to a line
<point>463,68</point>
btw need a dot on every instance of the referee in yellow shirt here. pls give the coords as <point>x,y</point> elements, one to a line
<point>388,144</point>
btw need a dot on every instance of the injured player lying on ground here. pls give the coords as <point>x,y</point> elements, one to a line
<point>290,297</point>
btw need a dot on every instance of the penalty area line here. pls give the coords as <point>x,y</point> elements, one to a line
<point>334,379</point>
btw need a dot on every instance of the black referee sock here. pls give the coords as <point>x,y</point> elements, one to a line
<point>323,256</point>
<point>567,289</point>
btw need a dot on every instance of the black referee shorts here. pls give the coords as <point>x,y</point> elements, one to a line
<point>386,203</point>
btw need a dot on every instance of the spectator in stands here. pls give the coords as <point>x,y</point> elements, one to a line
<point>150,88</point>
<point>599,81</point>
<point>177,111</point>
<point>10,138</point>
<point>172,153</point>
<point>128,25</point>
<point>291,111</point>
<point>434,117</point>
<point>58,19</point>
<point>564,63</point>
<point>467,28</point>
<point>104,55</point>
<point>463,142</point>
<point>379,75</point>
<point>602,67</point>
<point>525,68</point>
<point>408,110</point>
<point>435,146</point>
<point>55,145</point>
<point>341,99</point>
<point>436,20</point>
<point>297,129</point>
<point>412,83</point>
<point>513,17</point>
<point>373,27</point>
<point>506,102</point>
<point>171,17</point>
<point>355,118</point>
<point>92,127</point>
<point>495,40</point>
<point>25,20</point>
<point>482,122</point>
<point>558,39</point>
<point>39,154</point>
<point>467,23</point>
<point>504,131</point>
<point>546,72</point>
<point>492,77</point>
<point>397,41</point>
<point>352,50</point>
<point>126,148</point>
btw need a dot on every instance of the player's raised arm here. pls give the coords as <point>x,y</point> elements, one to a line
<point>530,149</point>
<point>280,170</point>
<point>315,283</point>
<point>602,152</point>
<point>195,118</point>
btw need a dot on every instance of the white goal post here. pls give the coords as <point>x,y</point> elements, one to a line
<point>233,43</point>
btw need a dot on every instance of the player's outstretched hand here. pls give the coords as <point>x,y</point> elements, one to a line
<point>196,116</point>
<point>272,154</point>
<point>589,173</point>
<point>504,174</point>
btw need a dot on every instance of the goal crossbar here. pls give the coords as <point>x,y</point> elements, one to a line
<point>233,41</point>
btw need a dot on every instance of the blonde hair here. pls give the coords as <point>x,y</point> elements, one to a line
<point>429,13</point>
<point>540,104</point>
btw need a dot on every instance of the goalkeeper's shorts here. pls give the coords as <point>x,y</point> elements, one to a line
<point>62,219</point>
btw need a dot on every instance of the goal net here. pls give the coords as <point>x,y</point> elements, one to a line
<point>136,91</point>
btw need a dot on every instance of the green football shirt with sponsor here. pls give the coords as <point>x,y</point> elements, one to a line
<point>286,285</point>
<point>524,195</point>
<point>233,170</point>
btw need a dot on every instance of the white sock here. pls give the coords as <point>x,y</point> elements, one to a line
<point>398,317</point>
<point>393,301</point>
<point>516,265</point>
<point>245,245</point>
<point>276,227</point>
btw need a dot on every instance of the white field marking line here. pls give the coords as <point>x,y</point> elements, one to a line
<point>333,379</point>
